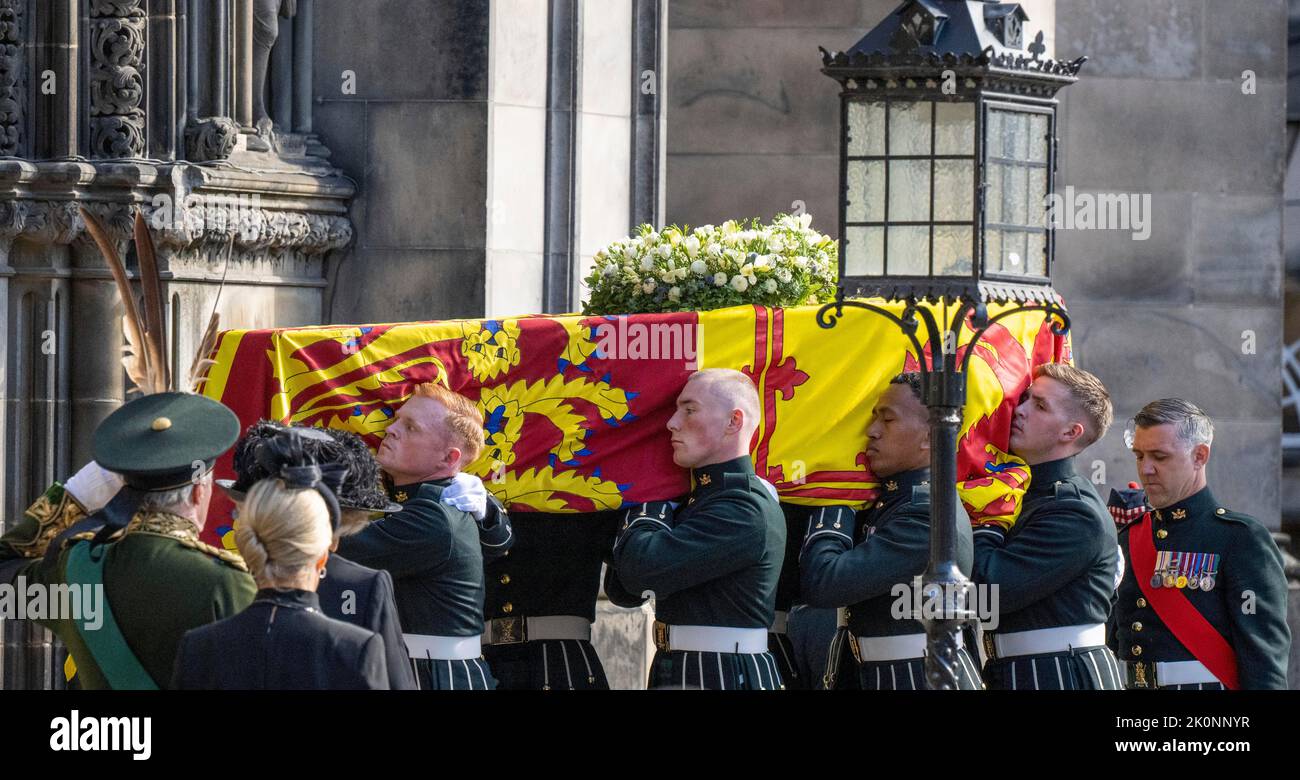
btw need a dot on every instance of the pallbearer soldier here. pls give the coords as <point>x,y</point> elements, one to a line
<point>1203,604</point>
<point>431,548</point>
<point>158,580</point>
<point>713,563</point>
<point>856,561</point>
<point>1057,568</point>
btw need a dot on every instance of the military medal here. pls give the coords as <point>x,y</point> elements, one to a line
<point>1194,579</point>
<point>1157,579</point>
<point>1212,568</point>
<point>1183,559</point>
<point>1169,579</point>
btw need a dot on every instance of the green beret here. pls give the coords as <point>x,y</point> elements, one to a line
<point>156,441</point>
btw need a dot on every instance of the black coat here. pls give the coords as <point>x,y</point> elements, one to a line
<point>363,596</point>
<point>281,642</point>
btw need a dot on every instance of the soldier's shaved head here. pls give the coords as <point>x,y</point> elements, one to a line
<point>717,414</point>
<point>733,389</point>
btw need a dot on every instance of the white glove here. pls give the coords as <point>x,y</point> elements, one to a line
<point>93,486</point>
<point>466,493</point>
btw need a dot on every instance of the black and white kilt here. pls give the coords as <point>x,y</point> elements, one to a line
<point>1080,669</point>
<point>547,665</point>
<point>691,669</point>
<point>909,674</point>
<point>782,651</point>
<point>433,674</point>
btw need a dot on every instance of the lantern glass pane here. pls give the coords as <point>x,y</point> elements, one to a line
<point>1037,197</point>
<point>864,251</point>
<point>909,250</point>
<point>866,129</point>
<point>993,198</point>
<point>993,250</point>
<point>1038,138</point>
<point>909,128</point>
<point>954,128</point>
<point>954,190</point>
<point>1013,252</point>
<point>1015,195</point>
<point>1036,254</point>
<point>909,190</point>
<point>866,191</point>
<point>952,250</point>
<point>1015,135</point>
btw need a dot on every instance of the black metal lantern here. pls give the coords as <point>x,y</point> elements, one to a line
<point>947,159</point>
<point>947,154</point>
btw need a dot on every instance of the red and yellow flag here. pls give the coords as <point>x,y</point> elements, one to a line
<point>575,407</point>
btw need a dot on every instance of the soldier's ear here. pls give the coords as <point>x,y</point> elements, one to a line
<point>1200,455</point>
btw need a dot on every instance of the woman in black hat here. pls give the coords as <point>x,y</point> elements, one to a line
<point>347,591</point>
<point>283,641</point>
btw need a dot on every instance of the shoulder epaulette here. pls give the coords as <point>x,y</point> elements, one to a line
<point>733,481</point>
<point>84,536</point>
<point>225,556</point>
<point>920,494</point>
<point>1067,489</point>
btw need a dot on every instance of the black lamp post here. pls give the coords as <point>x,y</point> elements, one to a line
<point>947,157</point>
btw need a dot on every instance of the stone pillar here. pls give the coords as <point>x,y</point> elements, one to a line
<point>303,66</point>
<point>242,72</point>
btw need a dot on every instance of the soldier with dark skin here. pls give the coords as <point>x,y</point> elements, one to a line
<point>1057,567</point>
<point>1203,603</point>
<point>858,561</point>
<point>432,547</point>
<point>714,561</point>
<point>158,580</point>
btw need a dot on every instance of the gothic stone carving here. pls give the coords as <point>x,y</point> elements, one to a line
<point>211,138</point>
<point>11,76</point>
<point>117,37</point>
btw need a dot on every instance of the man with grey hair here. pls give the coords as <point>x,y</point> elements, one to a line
<point>713,561</point>
<point>1203,603</point>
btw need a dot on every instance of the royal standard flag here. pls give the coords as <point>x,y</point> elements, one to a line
<point>575,407</point>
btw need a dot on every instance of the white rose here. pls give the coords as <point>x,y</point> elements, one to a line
<point>805,220</point>
<point>801,262</point>
<point>770,285</point>
<point>665,251</point>
<point>699,268</point>
<point>776,244</point>
<point>784,275</point>
<point>747,269</point>
<point>752,279</point>
<point>715,250</point>
<point>609,271</point>
<point>692,246</point>
<point>650,239</point>
<point>763,261</point>
<point>675,294</point>
<point>719,279</point>
<point>667,276</point>
<point>647,263</point>
<point>739,283</point>
<point>704,230</point>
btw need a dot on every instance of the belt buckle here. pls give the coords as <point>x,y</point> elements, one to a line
<point>508,631</point>
<point>1140,670</point>
<point>661,636</point>
<point>990,649</point>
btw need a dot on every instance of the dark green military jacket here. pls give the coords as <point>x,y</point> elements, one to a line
<point>159,581</point>
<point>859,561</point>
<point>715,561</point>
<point>1247,600</point>
<point>553,567</point>
<point>1059,563</point>
<point>433,552</point>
